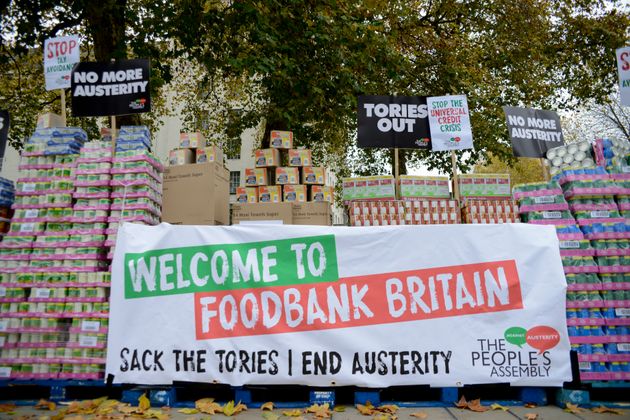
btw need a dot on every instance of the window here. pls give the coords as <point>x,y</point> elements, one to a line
<point>235,181</point>
<point>233,149</point>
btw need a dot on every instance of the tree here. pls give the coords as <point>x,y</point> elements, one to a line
<point>522,171</point>
<point>311,59</point>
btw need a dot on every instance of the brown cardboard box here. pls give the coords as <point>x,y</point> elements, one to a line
<point>50,120</point>
<point>318,213</point>
<point>256,177</point>
<point>192,140</point>
<point>294,193</point>
<point>262,211</point>
<point>300,157</point>
<point>286,175</point>
<point>322,193</point>
<point>181,157</point>
<point>270,194</point>
<point>196,194</point>
<point>210,154</point>
<point>281,139</point>
<point>313,175</point>
<point>247,195</point>
<point>267,158</point>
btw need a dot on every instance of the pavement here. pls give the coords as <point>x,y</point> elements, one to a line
<point>350,413</point>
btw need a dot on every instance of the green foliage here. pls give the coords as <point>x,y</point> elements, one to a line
<point>524,170</point>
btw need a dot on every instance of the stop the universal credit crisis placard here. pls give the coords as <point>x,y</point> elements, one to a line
<point>374,307</point>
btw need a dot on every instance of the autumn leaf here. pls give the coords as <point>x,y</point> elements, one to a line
<point>573,408</point>
<point>292,413</point>
<point>106,407</point>
<point>208,406</point>
<point>530,405</point>
<point>188,411</point>
<point>45,405</point>
<point>420,415</point>
<point>268,415</point>
<point>366,410</point>
<point>388,408</point>
<point>320,411</point>
<point>496,406</point>
<point>462,403</point>
<point>475,405</point>
<point>143,403</point>
<point>230,409</point>
<point>531,416</point>
<point>155,414</point>
<point>339,409</point>
<point>125,409</point>
<point>603,409</point>
<point>5,408</point>
<point>267,406</point>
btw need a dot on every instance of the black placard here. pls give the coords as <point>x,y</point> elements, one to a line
<point>111,88</point>
<point>394,121</point>
<point>4,130</point>
<point>533,131</point>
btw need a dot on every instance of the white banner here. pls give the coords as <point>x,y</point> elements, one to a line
<point>60,55</point>
<point>375,307</point>
<point>623,68</point>
<point>449,122</point>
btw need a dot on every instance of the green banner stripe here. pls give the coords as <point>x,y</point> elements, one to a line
<point>211,268</point>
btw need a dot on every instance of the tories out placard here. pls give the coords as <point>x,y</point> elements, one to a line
<point>117,88</point>
<point>443,305</point>
<point>393,121</point>
<point>533,131</point>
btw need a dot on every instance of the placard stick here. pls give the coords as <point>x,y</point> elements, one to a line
<point>113,118</point>
<point>544,169</point>
<point>455,183</point>
<point>396,168</point>
<point>63,106</point>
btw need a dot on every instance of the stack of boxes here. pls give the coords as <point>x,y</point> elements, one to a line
<point>403,212</point>
<point>54,264</point>
<point>7,196</point>
<point>193,148</point>
<point>298,181</point>
<point>490,212</point>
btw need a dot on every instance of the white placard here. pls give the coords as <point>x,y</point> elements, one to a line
<point>60,55</point>
<point>449,121</point>
<point>623,346</point>
<point>292,296</point>
<point>87,340</point>
<point>5,372</point>
<point>622,312</point>
<point>90,326</point>
<point>623,69</point>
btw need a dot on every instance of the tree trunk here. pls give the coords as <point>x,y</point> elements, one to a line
<point>106,23</point>
<point>402,161</point>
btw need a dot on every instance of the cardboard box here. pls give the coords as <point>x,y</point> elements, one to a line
<point>196,194</point>
<point>294,193</point>
<point>285,175</point>
<point>322,193</point>
<point>484,185</point>
<point>312,213</point>
<point>210,154</point>
<point>50,120</point>
<point>300,157</point>
<point>181,157</point>
<point>262,211</point>
<point>313,175</point>
<point>265,158</point>
<point>281,139</point>
<point>256,177</point>
<point>192,140</point>
<point>412,186</point>
<point>270,194</point>
<point>247,195</point>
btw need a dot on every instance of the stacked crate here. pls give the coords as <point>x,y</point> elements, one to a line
<point>284,174</point>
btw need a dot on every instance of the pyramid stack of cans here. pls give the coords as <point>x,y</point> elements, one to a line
<point>54,262</point>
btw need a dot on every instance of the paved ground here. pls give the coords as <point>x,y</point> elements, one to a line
<point>544,413</point>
